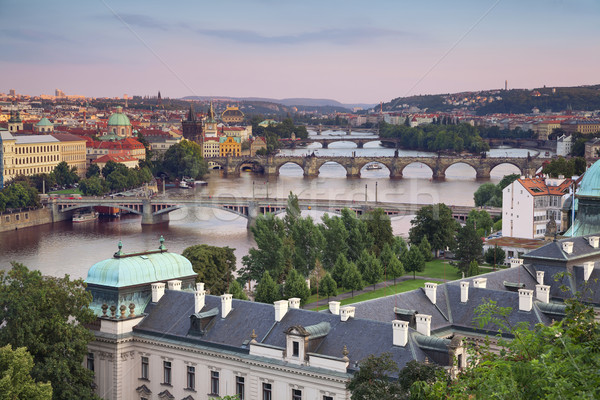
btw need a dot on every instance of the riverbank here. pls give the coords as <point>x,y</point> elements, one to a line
<point>24,218</point>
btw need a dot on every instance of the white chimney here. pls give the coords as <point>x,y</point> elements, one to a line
<point>516,262</point>
<point>464,291</point>
<point>199,297</point>
<point>294,302</point>
<point>525,299</point>
<point>542,293</point>
<point>594,241</point>
<point>225,304</point>
<point>567,247</point>
<point>480,283</point>
<point>334,307</point>
<point>400,333</point>
<point>158,289</point>
<point>588,268</point>
<point>175,284</point>
<point>540,277</point>
<point>281,307</point>
<point>346,312</point>
<point>423,324</point>
<point>430,291</point>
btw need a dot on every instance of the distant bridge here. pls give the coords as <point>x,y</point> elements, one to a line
<point>353,165</point>
<point>156,210</point>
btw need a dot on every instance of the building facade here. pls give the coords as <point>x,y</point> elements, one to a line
<point>529,205</point>
<point>192,127</point>
<point>119,124</point>
<point>232,115</point>
<point>230,146</point>
<point>564,145</point>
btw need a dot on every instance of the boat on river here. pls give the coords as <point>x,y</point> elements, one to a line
<point>85,216</point>
<point>374,166</point>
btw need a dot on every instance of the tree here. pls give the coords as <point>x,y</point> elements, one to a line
<point>352,279</point>
<point>437,224</point>
<point>494,255</point>
<point>481,221</point>
<point>370,268</point>
<point>267,290</point>
<point>307,241</point>
<point>327,286</point>
<point>358,235</point>
<point>65,175</point>
<point>214,266</point>
<point>93,170</point>
<point>335,241</point>
<point>392,266</point>
<point>507,180</point>
<point>469,247</point>
<point>15,380</point>
<point>414,261</point>
<point>379,227</point>
<point>269,255</point>
<point>488,194</point>
<point>93,186</point>
<point>340,268</point>
<point>416,371</point>
<point>237,291</point>
<point>372,380</point>
<point>295,286</point>
<point>425,249</point>
<point>184,159</point>
<point>47,315</point>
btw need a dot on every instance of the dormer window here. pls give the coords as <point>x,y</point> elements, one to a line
<point>295,349</point>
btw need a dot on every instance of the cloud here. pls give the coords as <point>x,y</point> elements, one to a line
<point>335,36</point>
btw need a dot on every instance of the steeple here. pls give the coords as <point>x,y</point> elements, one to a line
<point>191,114</point>
<point>211,113</point>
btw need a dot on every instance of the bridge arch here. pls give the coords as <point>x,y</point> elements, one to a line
<point>444,172</point>
<point>333,165</point>
<point>88,205</point>
<point>505,168</point>
<point>417,169</point>
<point>378,166</point>
<point>291,166</point>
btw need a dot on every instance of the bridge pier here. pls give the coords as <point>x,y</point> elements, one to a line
<point>58,215</point>
<point>438,175</point>
<point>360,145</point>
<point>325,144</point>
<point>310,167</point>
<point>230,169</point>
<point>148,217</point>
<point>482,173</point>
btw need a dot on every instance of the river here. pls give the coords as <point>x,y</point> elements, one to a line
<point>67,248</point>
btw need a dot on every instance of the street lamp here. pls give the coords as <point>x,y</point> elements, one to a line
<point>365,193</point>
<point>375,192</point>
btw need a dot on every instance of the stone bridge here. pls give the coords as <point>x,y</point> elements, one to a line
<point>353,165</point>
<point>156,210</point>
<point>359,141</point>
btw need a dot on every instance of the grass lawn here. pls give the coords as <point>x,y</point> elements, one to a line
<point>380,291</point>
<point>439,269</point>
<point>67,191</point>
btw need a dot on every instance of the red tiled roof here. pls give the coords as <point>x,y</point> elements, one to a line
<point>538,187</point>
<point>116,157</point>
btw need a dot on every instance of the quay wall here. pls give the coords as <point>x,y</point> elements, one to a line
<point>24,219</point>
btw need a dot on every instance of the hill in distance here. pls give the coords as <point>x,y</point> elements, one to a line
<point>289,102</point>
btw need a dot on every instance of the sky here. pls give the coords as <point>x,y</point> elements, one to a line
<point>346,50</point>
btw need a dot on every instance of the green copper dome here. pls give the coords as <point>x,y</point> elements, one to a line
<point>139,268</point>
<point>590,184</point>
<point>44,122</point>
<point>119,119</point>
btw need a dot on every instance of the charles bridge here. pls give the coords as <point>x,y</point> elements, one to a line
<point>311,164</point>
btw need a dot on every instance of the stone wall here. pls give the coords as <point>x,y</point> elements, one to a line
<point>24,218</point>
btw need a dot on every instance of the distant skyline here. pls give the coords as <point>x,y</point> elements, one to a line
<point>345,50</point>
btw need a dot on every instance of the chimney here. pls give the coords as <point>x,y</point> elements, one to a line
<point>464,291</point>
<point>540,277</point>
<point>525,299</point>
<point>567,247</point>
<point>516,262</point>
<point>175,284</point>
<point>225,304</point>
<point>281,307</point>
<point>423,324</point>
<point>346,312</point>
<point>294,302</point>
<point>158,289</point>
<point>199,297</point>
<point>400,333</point>
<point>480,283</point>
<point>430,291</point>
<point>542,293</point>
<point>334,307</point>
<point>588,268</point>
<point>594,241</point>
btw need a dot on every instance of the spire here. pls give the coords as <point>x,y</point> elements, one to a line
<point>191,114</point>
<point>211,112</point>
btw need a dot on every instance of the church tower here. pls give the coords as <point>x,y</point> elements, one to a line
<point>210,123</point>
<point>192,127</point>
<point>15,123</point>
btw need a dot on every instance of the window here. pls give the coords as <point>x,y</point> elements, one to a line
<point>166,372</point>
<point>296,394</point>
<point>214,382</point>
<point>144,367</point>
<point>267,391</point>
<point>327,398</point>
<point>191,377</point>
<point>90,361</point>
<point>239,386</point>
<point>295,349</point>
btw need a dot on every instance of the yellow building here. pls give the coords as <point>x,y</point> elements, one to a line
<point>40,154</point>
<point>230,146</point>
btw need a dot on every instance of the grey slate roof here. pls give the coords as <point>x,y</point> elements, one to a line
<point>553,250</point>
